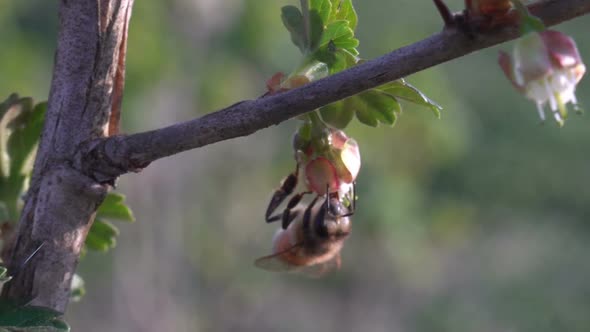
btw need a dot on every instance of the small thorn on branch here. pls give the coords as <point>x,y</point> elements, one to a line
<point>445,13</point>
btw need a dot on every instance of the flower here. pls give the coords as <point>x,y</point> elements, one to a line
<point>545,67</point>
<point>330,160</point>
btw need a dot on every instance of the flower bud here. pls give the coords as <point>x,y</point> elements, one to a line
<point>333,163</point>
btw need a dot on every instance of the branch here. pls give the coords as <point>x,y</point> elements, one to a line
<point>105,159</point>
<point>61,202</point>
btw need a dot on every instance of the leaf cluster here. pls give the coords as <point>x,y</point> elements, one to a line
<point>103,234</point>
<point>21,123</point>
<point>323,30</point>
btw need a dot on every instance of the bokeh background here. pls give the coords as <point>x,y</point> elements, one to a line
<point>478,221</point>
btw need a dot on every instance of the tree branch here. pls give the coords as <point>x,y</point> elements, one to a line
<point>61,202</point>
<point>106,159</point>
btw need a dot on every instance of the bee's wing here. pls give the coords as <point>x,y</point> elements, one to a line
<point>274,262</point>
<point>321,269</point>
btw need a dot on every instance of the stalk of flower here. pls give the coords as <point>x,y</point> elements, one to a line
<point>546,67</point>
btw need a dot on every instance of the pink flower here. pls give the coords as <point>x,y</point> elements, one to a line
<point>329,161</point>
<point>545,67</point>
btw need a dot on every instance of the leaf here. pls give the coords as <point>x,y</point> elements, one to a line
<point>10,109</point>
<point>342,36</point>
<point>322,7</point>
<point>293,21</point>
<point>403,90</point>
<point>371,108</point>
<point>367,117</point>
<point>316,27</point>
<point>77,288</point>
<point>23,140</point>
<point>343,10</point>
<point>15,317</point>
<point>113,207</point>
<point>102,236</point>
<point>336,115</point>
<point>382,105</point>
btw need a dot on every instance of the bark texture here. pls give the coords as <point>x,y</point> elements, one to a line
<point>61,202</point>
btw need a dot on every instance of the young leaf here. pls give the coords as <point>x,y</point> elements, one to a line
<point>323,8</point>
<point>26,129</point>
<point>113,207</point>
<point>345,11</point>
<point>10,110</point>
<point>383,105</point>
<point>367,117</point>
<point>15,317</point>
<point>293,21</point>
<point>404,90</point>
<point>316,27</point>
<point>102,236</point>
<point>340,33</point>
<point>337,114</point>
<point>371,107</point>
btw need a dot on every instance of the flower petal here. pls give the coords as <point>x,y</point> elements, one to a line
<point>562,49</point>
<point>321,173</point>
<point>506,64</point>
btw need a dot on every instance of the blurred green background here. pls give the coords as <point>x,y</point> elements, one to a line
<point>475,222</point>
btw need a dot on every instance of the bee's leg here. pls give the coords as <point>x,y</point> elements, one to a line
<point>307,216</point>
<point>286,189</point>
<point>318,223</point>
<point>289,214</point>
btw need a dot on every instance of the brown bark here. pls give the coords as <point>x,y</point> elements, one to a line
<point>61,202</point>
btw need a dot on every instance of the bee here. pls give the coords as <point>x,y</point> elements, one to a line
<point>314,236</point>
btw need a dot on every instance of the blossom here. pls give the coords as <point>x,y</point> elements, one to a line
<point>545,67</point>
<point>330,160</point>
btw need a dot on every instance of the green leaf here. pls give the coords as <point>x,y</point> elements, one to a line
<point>316,27</point>
<point>23,140</point>
<point>10,110</point>
<point>401,89</point>
<point>367,117</point>
<point>113,207</point>
<point>342,36</point>
<point>15,317</point>
<point>322,7</point>
<point>102,236</point>
<point>77,288</point>
<point>343,10</point>
<point>384,106</point>
<point>371,108</point>
<point>293,21</point>
<point>337,115</point>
